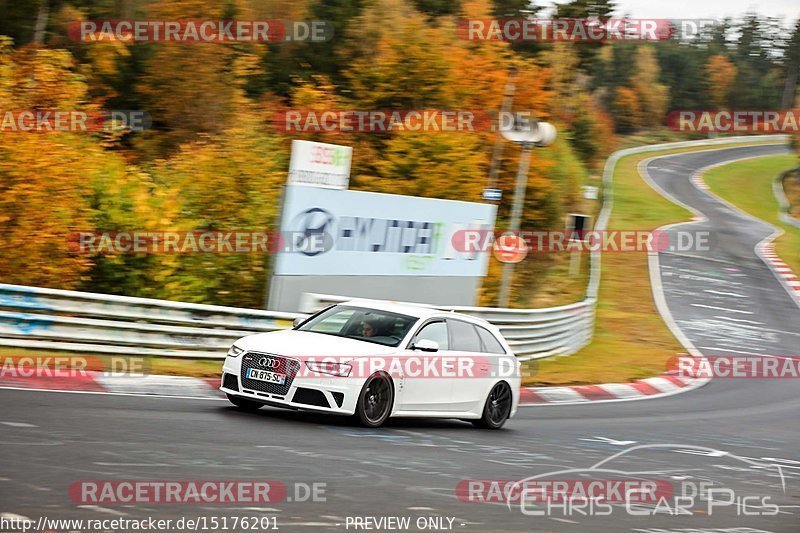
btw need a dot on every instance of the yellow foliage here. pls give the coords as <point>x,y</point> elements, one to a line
<point>653,97</point>
<point>721,73</point>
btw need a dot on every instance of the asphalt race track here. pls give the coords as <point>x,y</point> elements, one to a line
<point>739,434</point>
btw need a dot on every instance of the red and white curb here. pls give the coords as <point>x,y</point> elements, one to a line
<point>666,385</point>
<point>781,269</point>
<point>697,180</point>
<point>207,388</point>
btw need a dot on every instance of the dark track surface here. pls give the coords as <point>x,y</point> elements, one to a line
<point>411,467</point>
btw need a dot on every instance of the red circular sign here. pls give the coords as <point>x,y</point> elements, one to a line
<point>510,248</point>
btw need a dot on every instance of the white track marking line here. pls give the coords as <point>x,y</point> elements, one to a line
<point>771,330</point>
<point>15,517</point>
<point>700,257</point>
<point>18,424</point>
<point>102,510</point>
<point>606,440</point>
<point>564,520</point>
<point>739,320</point>
<point>723,309</point>
<point>734,351</point>
<point>721,293</point>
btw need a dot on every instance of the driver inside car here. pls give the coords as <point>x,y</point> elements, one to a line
<point>369,328</point>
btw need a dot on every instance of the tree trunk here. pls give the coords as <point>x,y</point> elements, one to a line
<point>41,22</point>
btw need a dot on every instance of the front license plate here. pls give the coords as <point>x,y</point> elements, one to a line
<point>265,375</point>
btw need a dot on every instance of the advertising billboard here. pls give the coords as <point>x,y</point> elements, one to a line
<point>356,233</point>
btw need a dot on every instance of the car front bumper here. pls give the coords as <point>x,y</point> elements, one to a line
<point>330,394</point>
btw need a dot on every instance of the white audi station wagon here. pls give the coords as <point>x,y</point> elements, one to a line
<point>375,360</point>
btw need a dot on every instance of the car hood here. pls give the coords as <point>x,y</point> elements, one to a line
<point>304,344</point>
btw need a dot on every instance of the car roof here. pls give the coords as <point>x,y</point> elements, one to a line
<point>405,308</point>
<point>416,310</point>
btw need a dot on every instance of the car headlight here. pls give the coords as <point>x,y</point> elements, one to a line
<point>326,367</point>
<point>235,351</point>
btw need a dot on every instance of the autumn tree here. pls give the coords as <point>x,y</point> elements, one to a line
<point>627,109</point>
<point>720,73</point>
<point>653,96</point>
<point>582,9</point>
<point>227,183</point>
<point>45,178</point>
<point>193,88</point>
<point>397,61</point>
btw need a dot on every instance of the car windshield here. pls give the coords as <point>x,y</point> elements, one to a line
<point>369,325</point>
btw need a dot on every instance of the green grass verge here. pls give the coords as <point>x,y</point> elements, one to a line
<point>748,186</point>
<point>631,341</point>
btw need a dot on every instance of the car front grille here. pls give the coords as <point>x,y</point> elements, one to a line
<point>272,363</point>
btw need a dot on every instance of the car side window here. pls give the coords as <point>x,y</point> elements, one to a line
<point>434,331</point>
<point>463,337</point>
<point>490,342</point>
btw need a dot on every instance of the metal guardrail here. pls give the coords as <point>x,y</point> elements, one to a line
<point>54,319</point>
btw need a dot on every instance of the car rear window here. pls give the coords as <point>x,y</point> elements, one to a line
<point>490,342</point>
<point>463,337</point>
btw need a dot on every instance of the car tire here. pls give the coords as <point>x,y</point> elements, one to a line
<point>244,404</point>
<point>497,408</point>
<point>375,401</point>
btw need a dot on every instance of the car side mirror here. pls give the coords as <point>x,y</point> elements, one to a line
<point>426,345</point>
<point>297,321</point>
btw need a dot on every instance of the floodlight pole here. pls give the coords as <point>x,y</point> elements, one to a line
<point>516,217</point>
<point>505,108</point>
